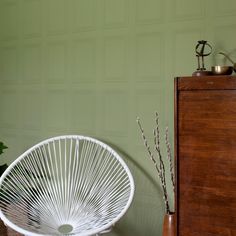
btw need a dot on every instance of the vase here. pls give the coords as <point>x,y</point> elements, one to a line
<point>3,229</point>
<point>11,232</point>
<point>169,225</point>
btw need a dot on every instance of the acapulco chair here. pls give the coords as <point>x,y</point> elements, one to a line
<point>66,185</point>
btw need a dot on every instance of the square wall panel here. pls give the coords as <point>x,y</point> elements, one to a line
<point>114,112</point>
<point>8,20</point>
<point>56,62</point>
<point>83,15</point>
<point>9,104</point>
<point>31,63</point>
<point>149,11</point>
<point>56,17</point>
<point>188,9</point>
<point>115,13</point>
<point>220,8</point>
<point>115,58</point>
<point>9,64</point>
<point>82,110</point>
<point>30,109</point>
<point>84,60</point>
<point>149,56</point>
<point>55,109</point>
<point>32,18</point>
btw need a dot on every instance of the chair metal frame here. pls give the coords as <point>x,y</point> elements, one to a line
<point>66,185</point>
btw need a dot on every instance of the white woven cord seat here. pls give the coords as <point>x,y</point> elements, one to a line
<point>66,185</point>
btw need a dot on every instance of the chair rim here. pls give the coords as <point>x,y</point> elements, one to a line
<point>80,137</point>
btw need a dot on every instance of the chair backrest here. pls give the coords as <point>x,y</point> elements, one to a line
<point>69,184</point>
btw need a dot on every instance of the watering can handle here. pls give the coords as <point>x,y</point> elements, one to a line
<point>227,57</point>
<point>234,63</point>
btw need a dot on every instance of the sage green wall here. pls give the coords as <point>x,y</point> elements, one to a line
<point>91,66</point>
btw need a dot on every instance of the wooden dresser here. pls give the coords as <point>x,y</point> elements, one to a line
<point>205,155</point>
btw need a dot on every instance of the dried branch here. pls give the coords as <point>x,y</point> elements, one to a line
<point>159,165</point>
<point>148,147</point>
<point>169,157</point>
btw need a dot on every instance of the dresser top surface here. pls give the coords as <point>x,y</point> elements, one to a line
<point>205,82</point>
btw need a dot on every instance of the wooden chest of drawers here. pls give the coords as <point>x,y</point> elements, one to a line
<point>205,155</point>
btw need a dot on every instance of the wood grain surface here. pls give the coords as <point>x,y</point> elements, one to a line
<point>205,143</point>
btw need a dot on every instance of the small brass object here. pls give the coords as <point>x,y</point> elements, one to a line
<point>222,70</point>
<point>234,63</point>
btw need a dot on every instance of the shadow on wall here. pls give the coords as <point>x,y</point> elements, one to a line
<point>140,220</point>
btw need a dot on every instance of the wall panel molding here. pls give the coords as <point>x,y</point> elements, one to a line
<point>84,60</point>
<point>83,15</point>
<point>114,112</point>
<point>56,17</point>
<point>83,113</point>
<point>9,64</point>
<point>149,56</point>
<point>32,18</point>
<point>149,11</point>
<point>115,13</point>
<point>185,10</point>
<point>30,109</point>
<point>31,62</point>
<point>55,109</point>
<point>9,104</point>
<point>222,8</point>
<point>56,61</point>
<point>9,20</point>
<point>115,59</point>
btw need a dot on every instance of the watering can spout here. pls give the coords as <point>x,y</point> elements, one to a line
<point>234,63</point>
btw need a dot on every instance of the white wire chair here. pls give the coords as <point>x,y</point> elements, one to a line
<point>66,185</point>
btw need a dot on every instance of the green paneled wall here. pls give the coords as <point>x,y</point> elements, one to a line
<point>91,66</point>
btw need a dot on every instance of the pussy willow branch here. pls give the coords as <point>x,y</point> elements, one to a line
<point>169,157</point>
<point>148,147</point>
<point>160,168</point>
<point>156,133</point>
